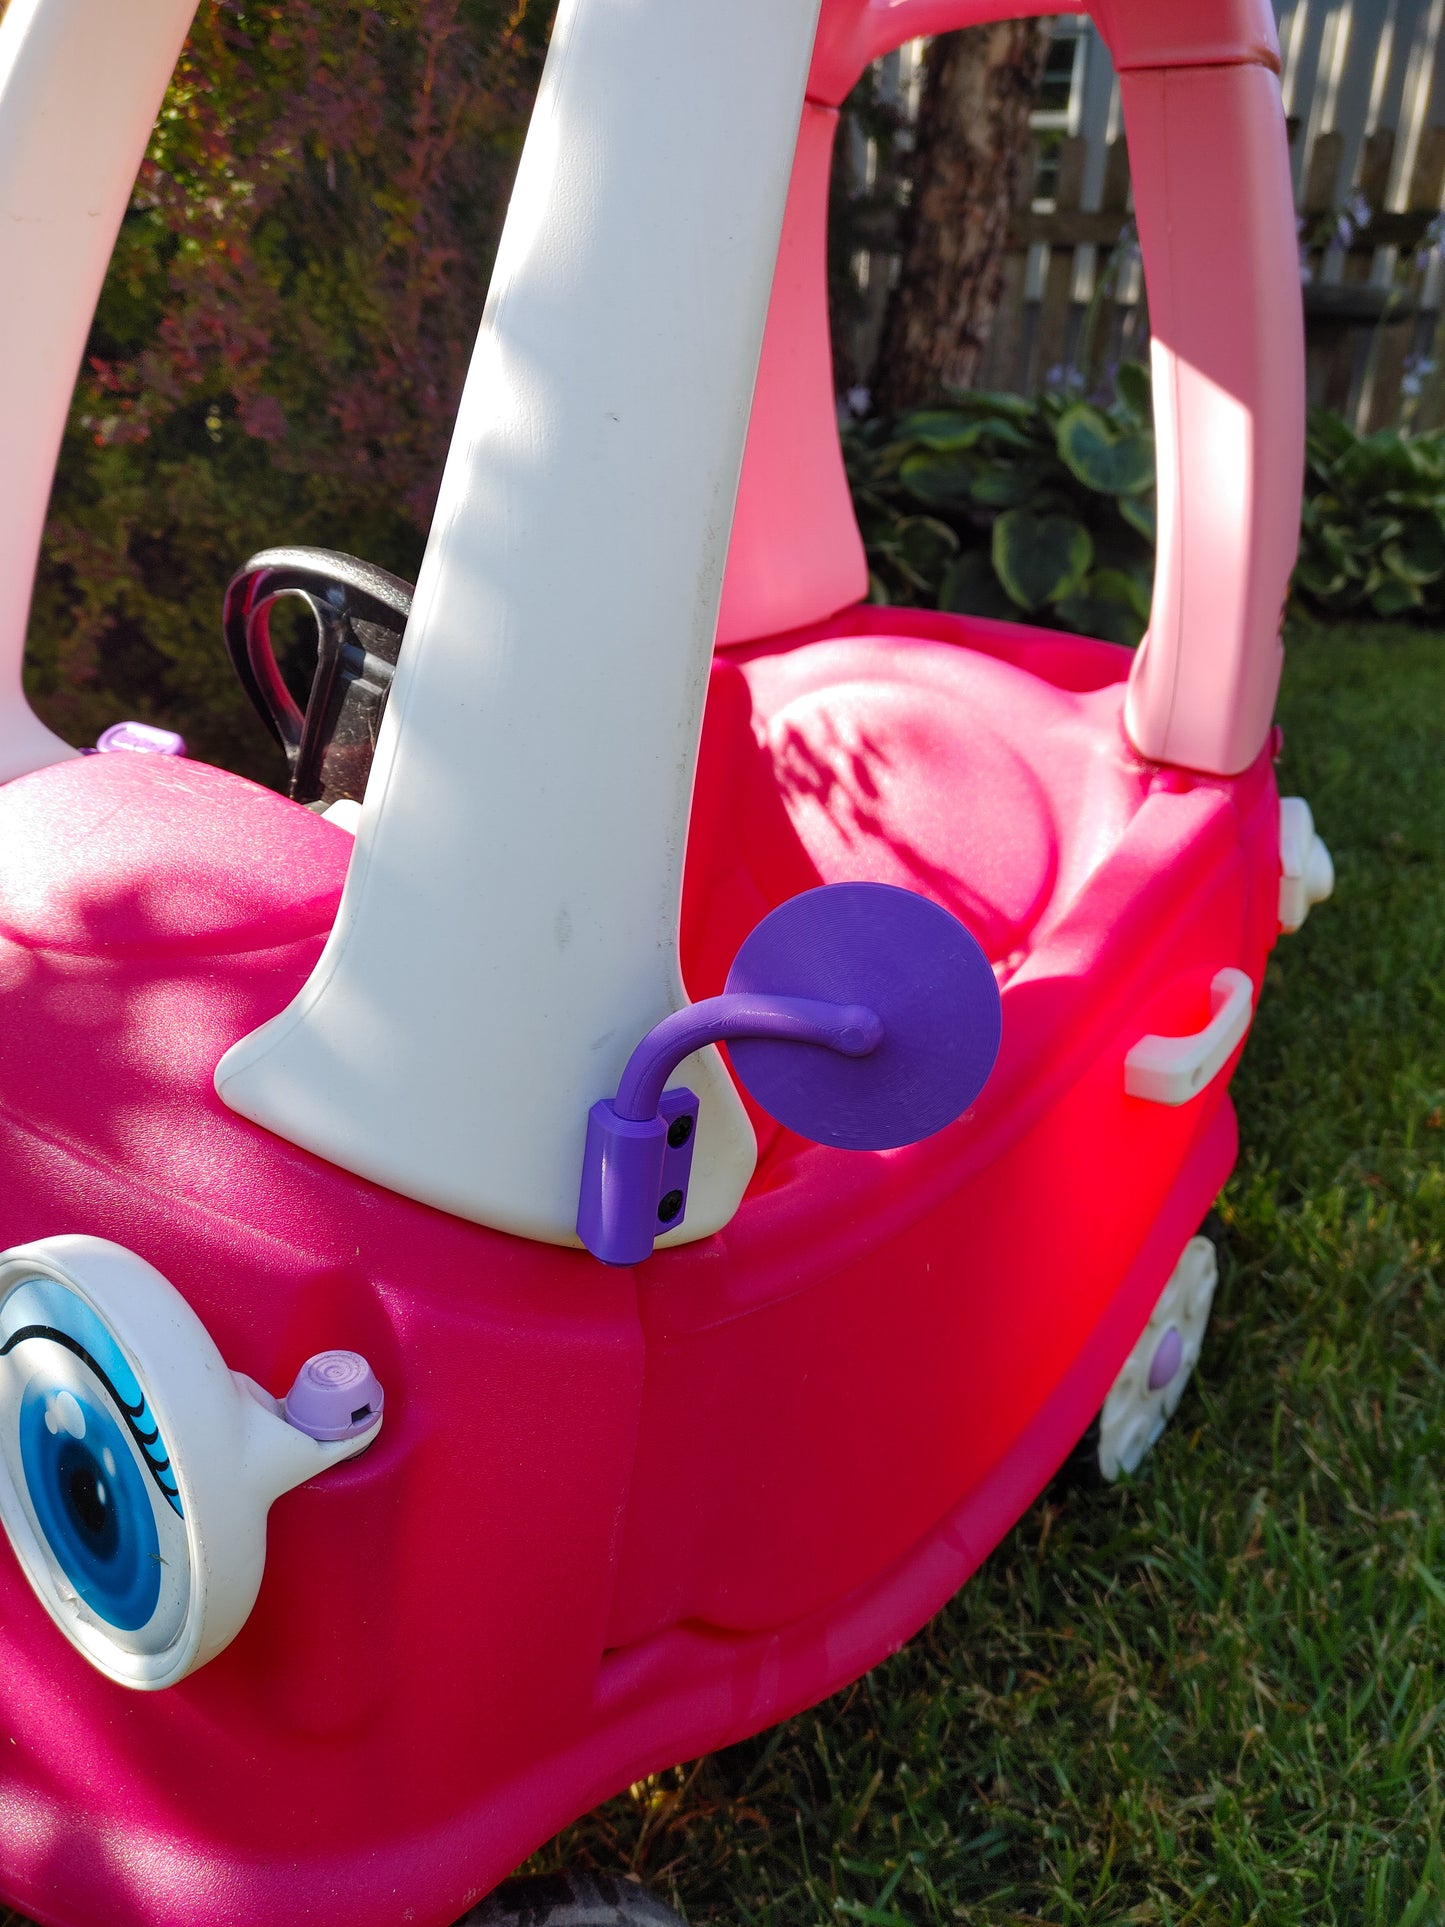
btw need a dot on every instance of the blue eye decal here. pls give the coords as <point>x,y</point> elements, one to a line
<point>88,1460</point>
<point>41,1308</point>
<point>91,1504</point>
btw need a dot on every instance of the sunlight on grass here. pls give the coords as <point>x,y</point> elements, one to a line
<point>1216,1696</point>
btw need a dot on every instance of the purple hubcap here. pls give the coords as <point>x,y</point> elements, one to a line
<point>1168,1355</point>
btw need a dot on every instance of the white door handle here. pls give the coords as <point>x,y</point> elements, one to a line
<point>1171,1070</point>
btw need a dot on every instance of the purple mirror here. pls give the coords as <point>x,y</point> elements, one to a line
<point>857,1014</point>
<point>899,955</point>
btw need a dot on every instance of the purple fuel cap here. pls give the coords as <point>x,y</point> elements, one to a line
<point>336,1396</point>
<point>146,737</point>
<point>896,953</point>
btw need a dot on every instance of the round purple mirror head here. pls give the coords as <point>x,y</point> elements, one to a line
<point>903,957</point>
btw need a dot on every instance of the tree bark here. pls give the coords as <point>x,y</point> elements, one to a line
<point>971,151</point>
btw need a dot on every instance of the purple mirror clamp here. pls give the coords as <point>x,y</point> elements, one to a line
<point>639,1144</point>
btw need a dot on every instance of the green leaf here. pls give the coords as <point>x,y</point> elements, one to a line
<point>1329,435</point>
<point>947,430</point>
<point>1330,538</point>
<point>1429,453</point>
<point>1138,512</point>
<point>987,401</point>
<point>889,458</point>
<point>1100,616</point>
<point>1117,585</point>
<point>1040,558</point>
<point>1379,462</point>
<point>1132,389</point>
<point>926,545</point>
<point>1317,576</point>
<point>1092,449</point>
<point>971,588</point>
<point>1393,597</point>
<point>939,480</point>
<point>1373,533</point>
<point>1008,485</point>
<point>1421,549</point>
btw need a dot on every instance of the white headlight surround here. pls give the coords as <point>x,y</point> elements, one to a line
<point>136,1470</point>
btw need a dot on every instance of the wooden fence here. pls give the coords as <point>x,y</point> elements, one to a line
<point>1073,300</point>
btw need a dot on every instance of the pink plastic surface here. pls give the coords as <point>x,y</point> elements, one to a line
<point>1210,165</point>
<point>853,32</point>
<point>614,1518</point>
<point>1206,33</point>
<point>1216,224</point>
<point>1140,33</point>
<point>796,554</point>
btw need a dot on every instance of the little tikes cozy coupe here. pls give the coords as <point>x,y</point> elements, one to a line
<point>312,1142</point>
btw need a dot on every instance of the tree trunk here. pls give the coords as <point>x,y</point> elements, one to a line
<point>971,149</point>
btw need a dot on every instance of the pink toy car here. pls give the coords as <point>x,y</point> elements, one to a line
<point>369,1165</point>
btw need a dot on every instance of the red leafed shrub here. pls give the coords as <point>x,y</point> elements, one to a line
<point>282,337</point>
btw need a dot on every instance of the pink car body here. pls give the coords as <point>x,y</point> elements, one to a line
<point>618,1517</point>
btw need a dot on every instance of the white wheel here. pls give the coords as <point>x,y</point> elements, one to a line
<point>1143,1397</point>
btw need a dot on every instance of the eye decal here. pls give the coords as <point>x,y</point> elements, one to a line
<point>88,1461</point>
<point>136,1468</point>
<point>41,1301</point>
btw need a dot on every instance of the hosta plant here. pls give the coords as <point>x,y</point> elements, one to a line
<point>1373,530</point>
<point>1040,509</point>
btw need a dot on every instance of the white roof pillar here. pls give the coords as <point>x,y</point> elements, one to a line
<point>509,926</point>
<point>81,83</point>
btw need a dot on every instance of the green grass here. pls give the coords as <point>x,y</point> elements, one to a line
<point>1217,1695</point>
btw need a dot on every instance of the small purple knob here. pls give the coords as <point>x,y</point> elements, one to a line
<point>336,1396</point>
<point>1168,1356</point>
<point>146,737</point>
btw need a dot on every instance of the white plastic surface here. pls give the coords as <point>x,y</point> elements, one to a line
<point>231,1452</point>
<point>1172,1070</point>
<point>508,929</point>
<point>345,813</point>
<point>1134,1414</point>
<point>1306,869</point>
<point>81,83</point>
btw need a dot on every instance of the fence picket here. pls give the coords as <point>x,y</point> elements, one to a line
<point>1426,192</point>
<point>1101,350</point>
<point>1052,341</point>
<point>1360,340</point>
<point>1320,194</point>
<point>1374,335</point>
<point>1341,345</point>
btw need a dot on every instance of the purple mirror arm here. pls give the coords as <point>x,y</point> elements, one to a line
<point>851,1029</point>
<point>639,1144</point>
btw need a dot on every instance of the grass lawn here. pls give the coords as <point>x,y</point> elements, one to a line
<point>1216,1695</point>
